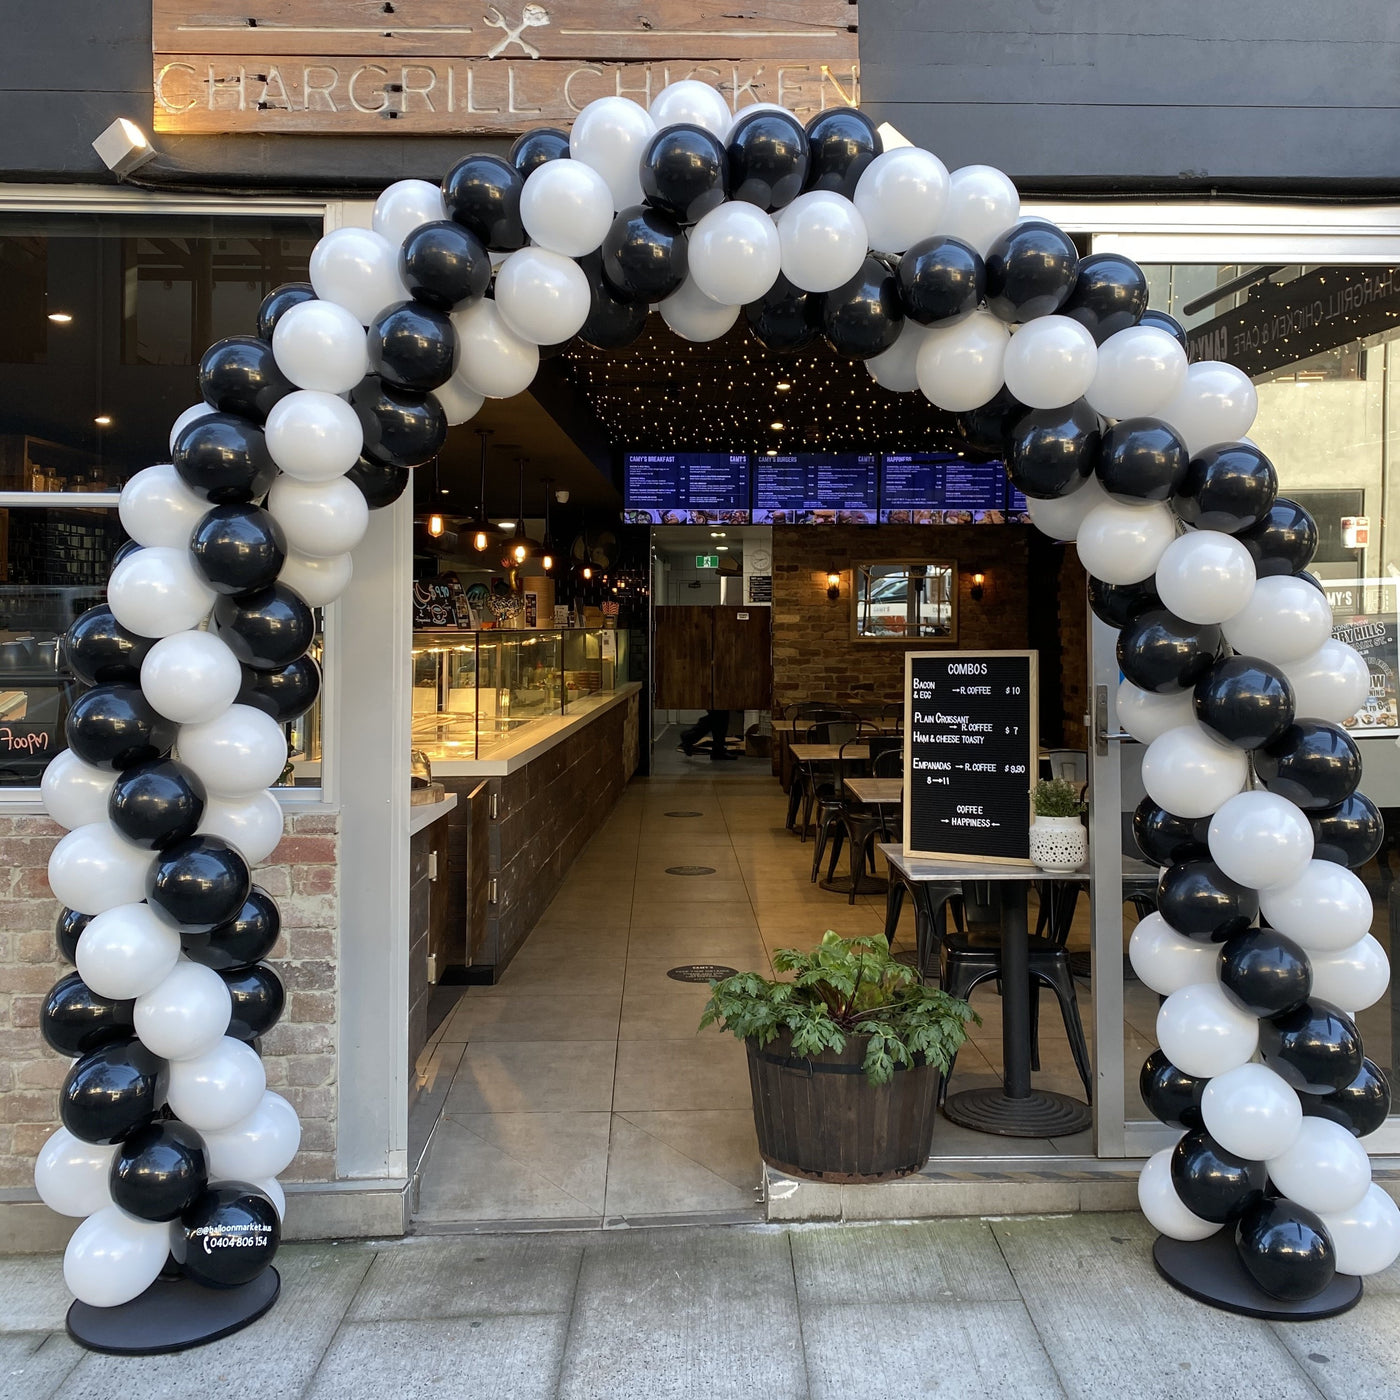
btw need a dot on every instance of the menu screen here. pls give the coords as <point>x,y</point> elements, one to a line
<point>941,488</point>
<point>686,488</point>
<point>816,488</point>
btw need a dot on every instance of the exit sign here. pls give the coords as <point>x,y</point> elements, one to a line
<point>707,561</point>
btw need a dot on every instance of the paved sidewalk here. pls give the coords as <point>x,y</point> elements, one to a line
<point>1009,1308</point>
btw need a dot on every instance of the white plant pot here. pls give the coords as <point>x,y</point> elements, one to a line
<point>1059,843</point>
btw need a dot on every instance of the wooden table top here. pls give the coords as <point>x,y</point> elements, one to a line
<point>888,725</point>
<point>943,872</point>
<point>876,790</point>
<point>828,753</point>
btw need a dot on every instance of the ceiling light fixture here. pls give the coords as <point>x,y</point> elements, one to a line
<point>103,420</point>
<point>782,386</point>
<point>61,318</point>
<point>777,427</point>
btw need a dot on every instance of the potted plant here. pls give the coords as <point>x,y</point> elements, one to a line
<point>844,1059</point>
<point>1059,841</point>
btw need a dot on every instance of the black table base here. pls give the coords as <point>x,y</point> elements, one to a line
<point>1211,1271</point>
<point>1038,1114</point>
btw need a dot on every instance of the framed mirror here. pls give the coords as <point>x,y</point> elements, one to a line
<point>905,600</point>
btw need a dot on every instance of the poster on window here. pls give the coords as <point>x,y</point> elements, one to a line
<point>1364,616</point>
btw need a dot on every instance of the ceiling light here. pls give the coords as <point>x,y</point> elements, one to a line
<point>103,420</point>
<point>505,524</point>
<point>60,318</point>
<point>772,452</point>
<point>721,546</point>
<point>782,386</point>
<point>777,427</point>
<point>123,147</point>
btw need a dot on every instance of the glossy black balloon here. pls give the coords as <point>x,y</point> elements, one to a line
<point>1283,541</point>
<point>1053,450</point>
<point>1031,270</point>
<point>863,317</point>
<point>68,928</point>
<point>246,939</point>
<point>1348,834</point>
<point>224,458</point>
<point>613,323</point>
<point>1264,972</point>
<point>941,281</point>
<point>1163,322</point>
<point>1109,295</point>
<point>1164,838</point>
<point>988,427</point>
<point>482,193</point>
<point>785,318</point>
<point>157,804</point>
<point>258,1000</point>
<point>1360,1107</point>
<point>278,302</point>
<point>683,171</point>
<point>159,1171</point>
<point>1159,652</point>
<point>1141,459</point>
<point>1286,1249</point>
<point>267,629</point>
<point>238,548</point>
<point>412,346</point>
<point>402,427</point>
<point>110,1092</point>
<point>98,650</point>
<point>227,1236</point>
<point>644,255</point>
<point>75,1021</point>
<point>538,147</point>
<point>1199,900</point>
<point>380,484</point>
<point>239,375</point>
<point>442,265</point>
<point>1172,1096</point>
<point>1119,603</point>
<point>1213,1183</point>
<point>1314,764</point>
<point>768,155</point>
<point>1245,702</point>
<point>842,142</point>
<point>286,692</point>
<point>1315,1047</point>
<point>125,551</point>
<point>114,726</point>
<point>1229,487</point>
<point>198,884</point>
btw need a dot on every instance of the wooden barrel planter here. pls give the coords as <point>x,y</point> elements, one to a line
<point>820,1116</point>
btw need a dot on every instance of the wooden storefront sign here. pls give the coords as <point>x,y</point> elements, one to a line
<point>447,66</point>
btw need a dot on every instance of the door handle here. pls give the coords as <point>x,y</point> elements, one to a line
<point>1102,733</point>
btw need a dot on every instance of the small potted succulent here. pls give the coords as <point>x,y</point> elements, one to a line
<point>1059,840</point>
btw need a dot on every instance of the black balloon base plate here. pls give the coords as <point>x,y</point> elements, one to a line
<point>1211,1271</point>
<point>172,1315</point>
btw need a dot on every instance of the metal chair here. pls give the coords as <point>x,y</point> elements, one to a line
<point>817,780</point>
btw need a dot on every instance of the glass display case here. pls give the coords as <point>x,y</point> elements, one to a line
<point>475,691</point>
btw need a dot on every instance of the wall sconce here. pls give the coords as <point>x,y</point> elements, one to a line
<point>833,584</point>
<point>124,147</point>
<point>977,581</point>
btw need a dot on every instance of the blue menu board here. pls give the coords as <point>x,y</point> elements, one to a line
<point>1015,500</point>
<point>816,488</point>
<point>686,488</point>
<point>941,488</point>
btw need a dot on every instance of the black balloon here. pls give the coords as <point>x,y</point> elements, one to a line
<point>67,930</point>
<point>1264,972</point>
<point>198,884</point>
<point>224,458</point>
<point>1119,603</point>
<point>412,346</point>
<point>842,143</point>
<point>1228,487</point>
<point>159,1171</point>
<point>1109,295</point>
<point>1348,834</point>
<point>684,170</point>
<point>988,427</point>
<point>1159,652</point>
<point>98,650</point>
<point>644,255</point>
<point>863,318</point>
<point>1245,702</point>
<point>768,156</point>
<point>785,318</point>
<point>267,629</point>
<point>402,427</point>
<point>238,548</point>
<point>1031,270</point>
<point>941,281</point>
<point>125,551</point>
<point>246,939</point>
<point>537,147</point>
<point>1163,322</point>
<point>1164,838</point>
<point>1314,764</point>
<point>1054,450</point>
<point>240,375</point>
<point>1286,1249</point>
<point>157,804</point>
<point>1315,1047</point>
<point>613,322</point>
<point>75,1021</point>
<point>227,1236</point>
<point>1199,900</point>
<point>442,265</point>
<point>1171,1095</point>
<point>1360,1107</point>
<point>278,302</point>
<point>380,484</point>
<point>482,193</point>
<point>1213,1183</point>
<point>286,692</point>
<point>110,1092</point>
<point>1141,459</point>
<point>114,726</point>
<point>1283,541</point>
<point>258,999</point>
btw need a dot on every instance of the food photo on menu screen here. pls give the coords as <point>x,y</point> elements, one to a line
<point>816,488</point>
<point>686,488</point>
<point>944,488</point>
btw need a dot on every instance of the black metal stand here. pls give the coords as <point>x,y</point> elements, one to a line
<point>1211,1271</point>
<point>172,1315</point>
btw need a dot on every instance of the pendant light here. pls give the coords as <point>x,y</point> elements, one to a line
<point>547,558</point>
<point>521,546</point>
<point>484,533</point>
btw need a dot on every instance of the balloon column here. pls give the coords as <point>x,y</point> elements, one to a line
<point>170,1139</point>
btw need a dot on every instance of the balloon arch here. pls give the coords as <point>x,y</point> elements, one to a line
<point>171,1143</point>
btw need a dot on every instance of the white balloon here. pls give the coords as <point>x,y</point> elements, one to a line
<point>694,317</point>
<point>319,518</point>
<point>902,195</point>
<point>1050,362</point>
<point>960,366</point>
<point>1332,683</point>
<point>693,103</point>
<point>1139,372</point>
<point>897,368</point>
<point>1165,960</point>
<point>156,592</point>
<point>822,241</point>
<point>1203,1033</point>
<point>190,677</point>
<point>215,1090</point>
<point>192,414</point>
<point>272,1189</point>
<point>113,1257</point>
<point>156,507</point>
<point>75,793</point>
<point>1147,715</point>
<point>1163,1207</point>
<point>982,204</point>
<point>71,1175</point>
<point>127,951</point>
<point>1366,1237</point>
<point>543,297</point>
<point>1205,576</point>
<point>1324,1169</point>
<point>316,581</point>
<point>234,755</point>
<point>252,825</point>
<point>735,253</point>
<point>1191,774</point>
<point>319,345</point>
<point>610,134</point>
<point>314,436</point>
<point>1260,839</point>
<point>1285,620</point>
<point>1216,403</point>
<point>1325,909</point>
<point>493,360</point>
<point>358,269</point>
<point>1251,1112</point>
<point>92,869</point>
<point>184,1015</point>
<point>460,402</point>
<point>567,207</point>
<point>1118,543</point>
<point>260,1145</point>
<point>404,206</point>
<point>1060,517</point>
<point>1353,977</point>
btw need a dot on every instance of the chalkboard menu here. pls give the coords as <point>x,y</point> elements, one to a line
<point>686,488</point>
<point>940,488</point>
<point>815,488</point>
<point>969,754</point>
<point>436,602</point>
